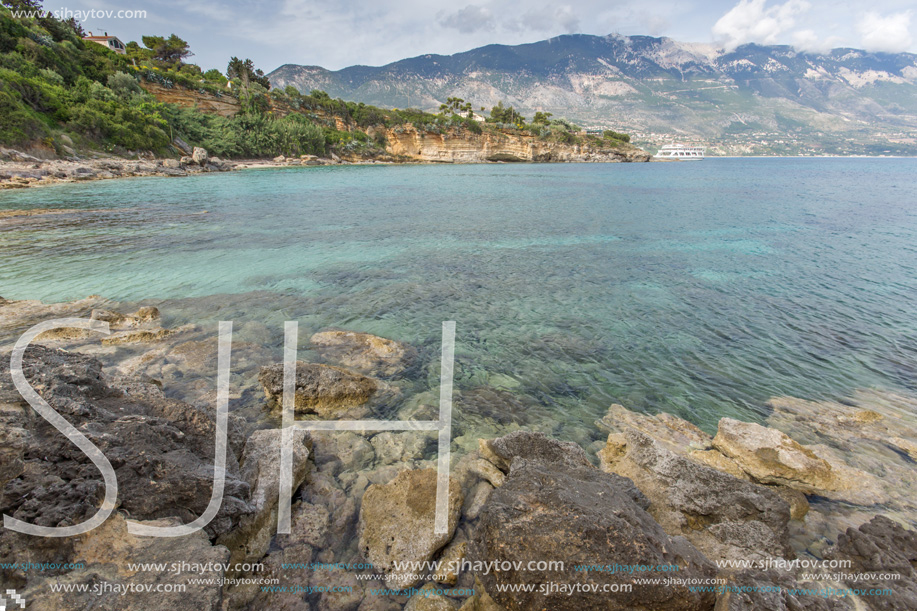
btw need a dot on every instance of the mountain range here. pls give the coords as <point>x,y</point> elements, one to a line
<point>751,100</point>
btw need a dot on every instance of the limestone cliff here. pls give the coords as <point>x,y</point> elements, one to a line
<point>407,143</point>
<point>225,105</point>
<point>462,146</point>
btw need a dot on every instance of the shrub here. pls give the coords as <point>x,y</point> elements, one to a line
<point>52,77</point>
<point>613,135</point>
<point>123,84</point>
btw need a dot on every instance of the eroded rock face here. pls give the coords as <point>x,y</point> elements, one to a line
<point>326,391</point>
<point>673,432</point>
<point>261,469</point>
<point>881,546</point>
<point>725,517</point>
<point>429,600</point>
<point>106,553</point>
<point>753,590</point>
<point>162,450</point>
<point>579,515</point>
<point>533,447</point>
<point>397,520</point>
<point>772,457</point>
<point>200,156</point>
<point>364,352</point>
<point>457,146</point>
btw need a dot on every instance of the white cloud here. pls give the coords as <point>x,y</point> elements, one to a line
<point>751,21</point>
<point>550,19</point>
<point>890,34</point>
<point>810,41</point>
<point>469,19</point>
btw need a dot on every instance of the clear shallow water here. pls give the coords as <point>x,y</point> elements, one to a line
<point>699,289</point>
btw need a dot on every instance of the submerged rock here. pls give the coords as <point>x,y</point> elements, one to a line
<point>502,407</point>
<point>342,451</point>
<point>17,316</point>
<point>391,447</point>
<point>327,391</point>
<point>725,517</point>
<point>480,601</point>
<point>871,432</point>
<point>364,352</point>
<point>396,523</point>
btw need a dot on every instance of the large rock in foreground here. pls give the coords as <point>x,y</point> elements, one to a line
<point>536,447</point>
<point>162,450</point>
<point>770,456</point>
<point>261,468</point>
<point>107,554</point>
<point>725,517</point>
<point>396,523</point>
<point>581,516</point>
<point>776,590</point>
<point>329,392</point>
<point>879,547</point>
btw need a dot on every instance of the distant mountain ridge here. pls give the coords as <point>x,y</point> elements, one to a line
<point>755,99</point>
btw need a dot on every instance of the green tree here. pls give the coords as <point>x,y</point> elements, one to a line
<point>76,26</point>
<point>245,71</point>
<point>22,5</point>
<point>215,76</point>
<point>137,53</point>
<point>170,51</point>
<point>456,106</point>
<point>505,114</point>
<point>542,118</point>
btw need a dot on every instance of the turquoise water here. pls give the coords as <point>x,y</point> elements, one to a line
<point>700,289</point>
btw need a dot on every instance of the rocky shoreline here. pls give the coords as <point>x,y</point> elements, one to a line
<point>739,513</point>
<point>20,170</point>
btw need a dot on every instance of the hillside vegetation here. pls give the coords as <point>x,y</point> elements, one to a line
<point>59,93</point>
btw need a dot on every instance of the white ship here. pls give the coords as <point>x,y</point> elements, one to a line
<point>681,152</point>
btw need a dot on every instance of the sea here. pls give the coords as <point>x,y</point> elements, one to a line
<point>699,289</point>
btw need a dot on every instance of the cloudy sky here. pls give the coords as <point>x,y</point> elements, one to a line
<point>339,33</point>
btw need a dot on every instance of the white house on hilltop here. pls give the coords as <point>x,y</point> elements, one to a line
<point>112,42</point>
